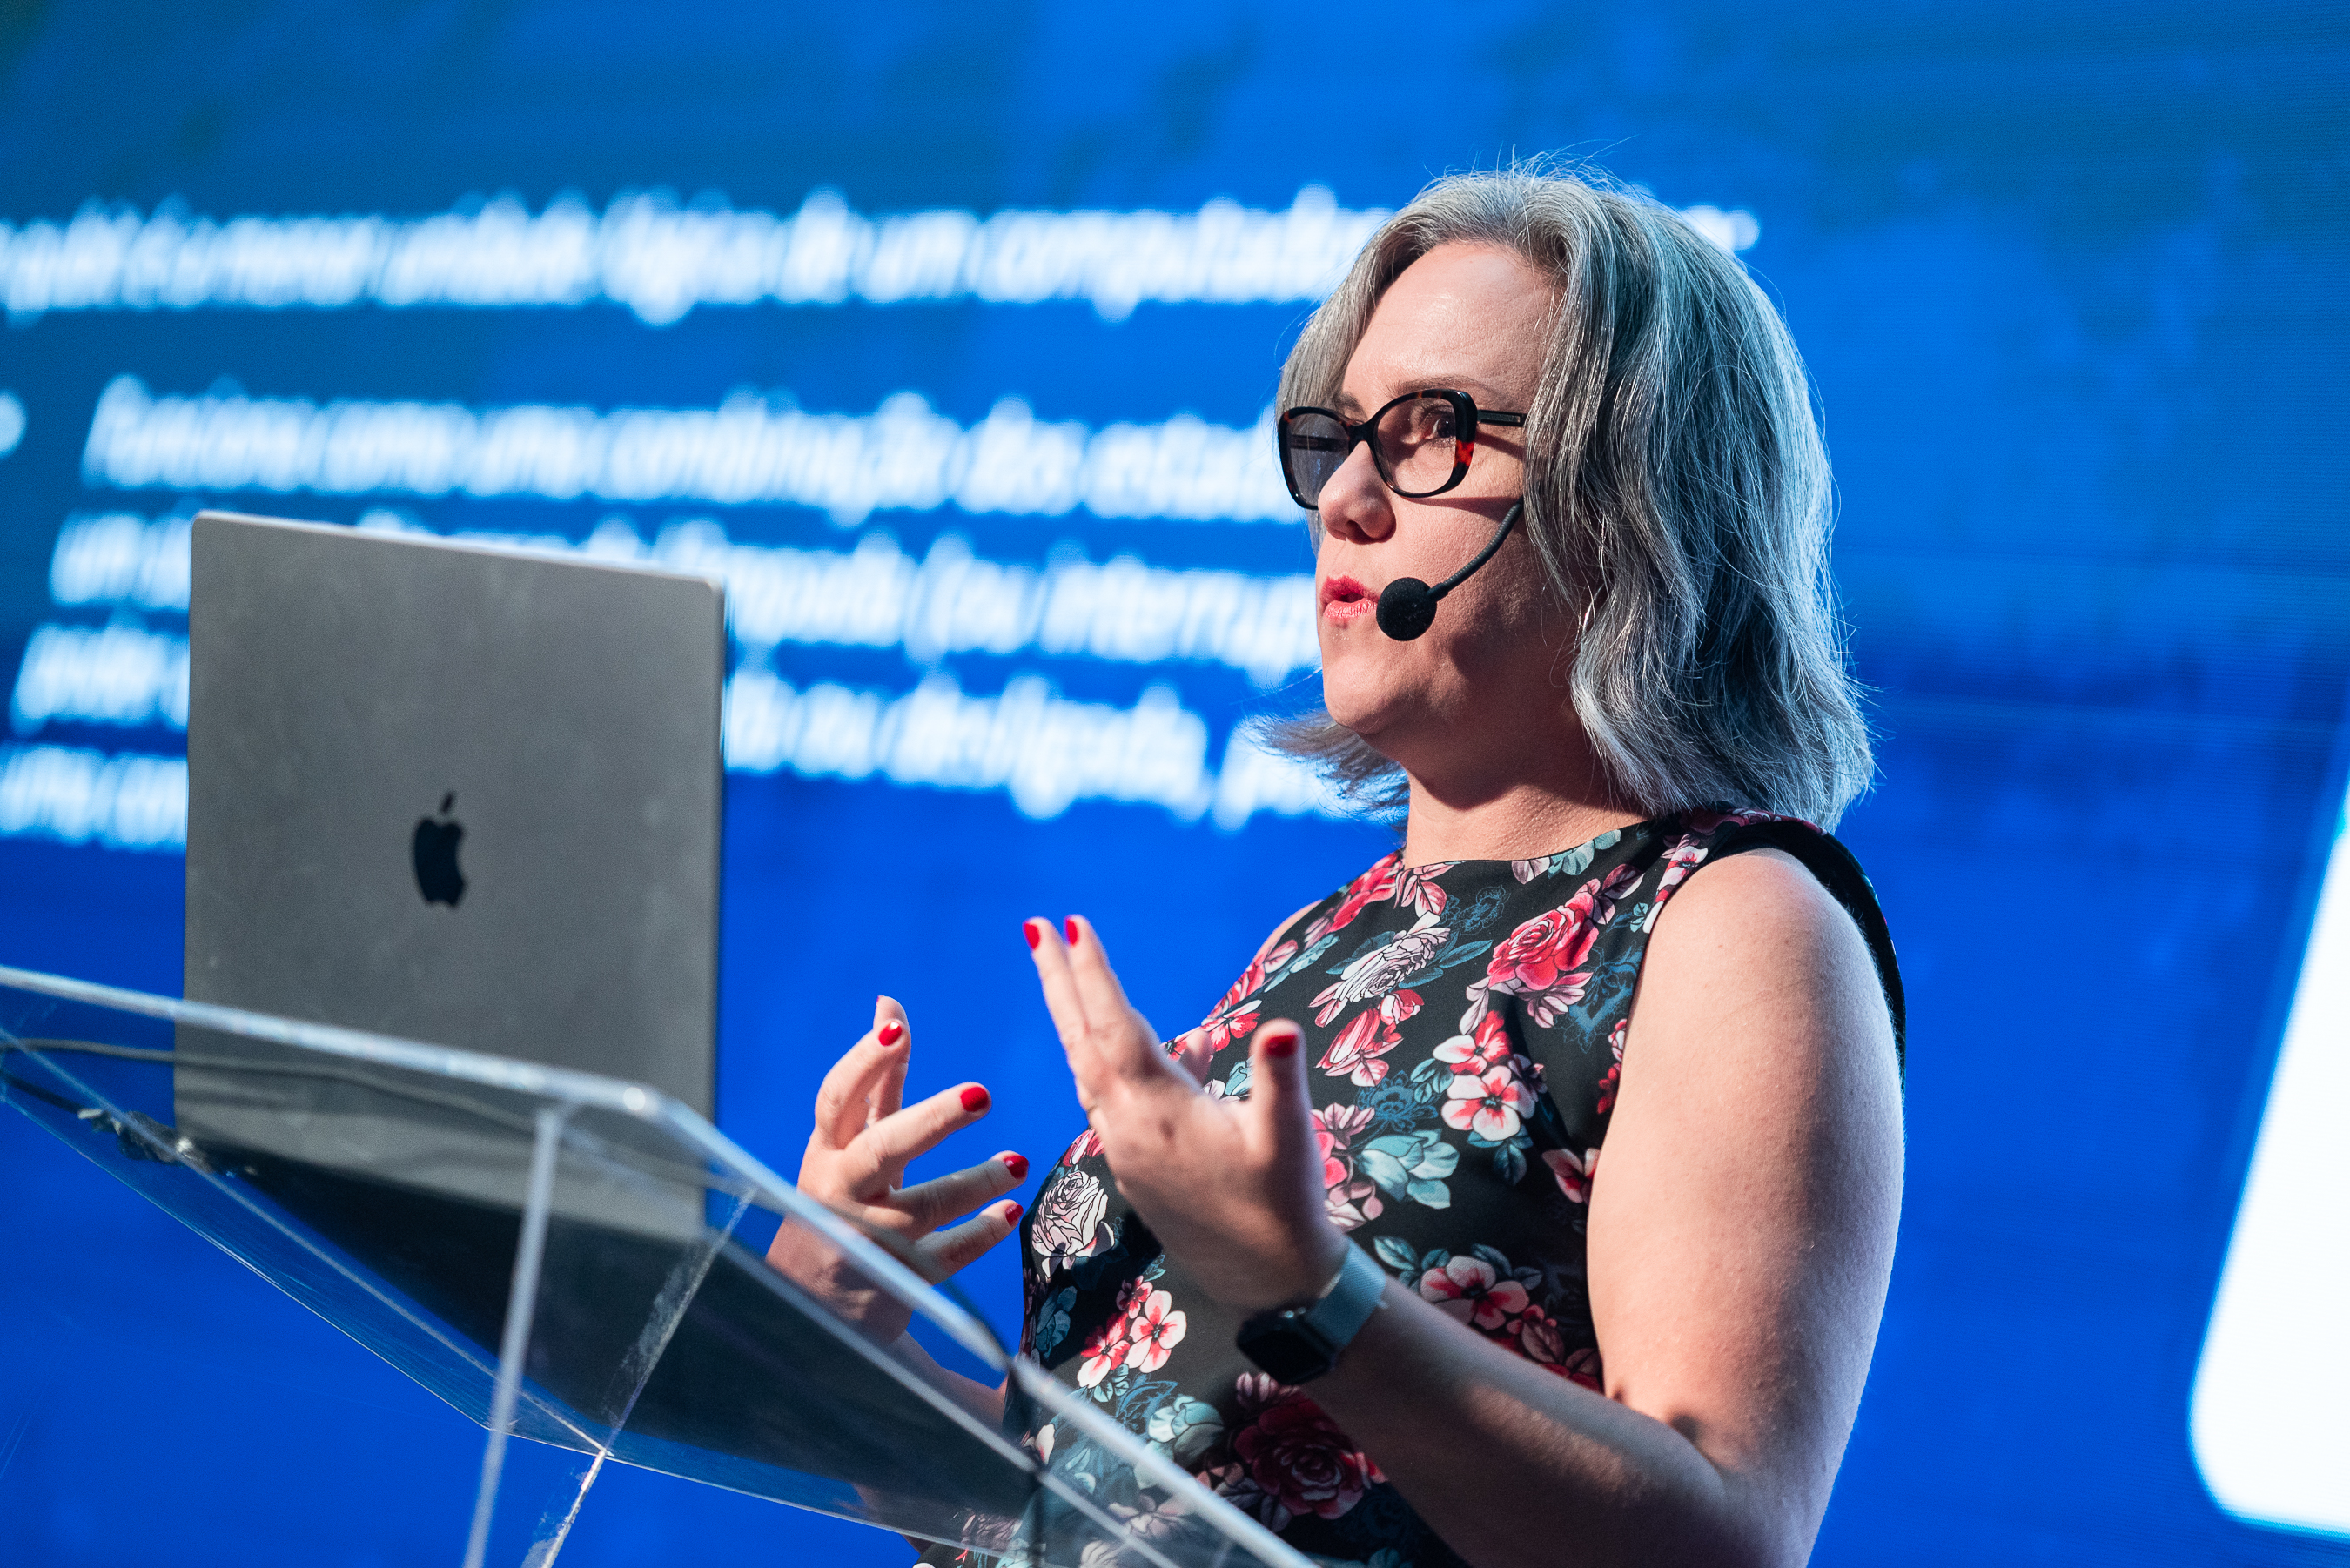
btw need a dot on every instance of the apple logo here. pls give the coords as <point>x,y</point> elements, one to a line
<point>434,850</point>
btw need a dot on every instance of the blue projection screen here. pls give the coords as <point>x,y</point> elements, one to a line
<point>948,337</point>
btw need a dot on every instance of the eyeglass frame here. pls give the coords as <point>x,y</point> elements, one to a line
<point>1467,419</point>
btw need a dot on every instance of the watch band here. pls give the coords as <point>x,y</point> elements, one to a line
<point>1297,1344</point>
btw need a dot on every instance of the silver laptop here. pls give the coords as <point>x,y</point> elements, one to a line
<point>461,795</point>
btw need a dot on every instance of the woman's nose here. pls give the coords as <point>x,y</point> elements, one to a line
<point>1354,500</point>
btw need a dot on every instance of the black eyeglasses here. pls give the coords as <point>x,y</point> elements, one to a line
<point>1421,443</point>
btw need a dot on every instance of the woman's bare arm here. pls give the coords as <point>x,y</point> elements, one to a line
<point>1740,1242</point>
<point>1741,1238</point>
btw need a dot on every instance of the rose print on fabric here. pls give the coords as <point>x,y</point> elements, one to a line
<point>1481,1288</point>
<point>1068,1226</point>
<point>1542,962</point>
<point>1419,889</point>
<point>1428,1122</point>
<point>1380,971</point>
<point>1184,1427</point>
<point>1538,961</point>
<point>1291,1460</point>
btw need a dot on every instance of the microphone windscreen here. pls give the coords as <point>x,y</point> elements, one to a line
<point>1407,608</point>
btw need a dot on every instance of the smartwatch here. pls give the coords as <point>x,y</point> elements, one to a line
<point>1297,1344</point>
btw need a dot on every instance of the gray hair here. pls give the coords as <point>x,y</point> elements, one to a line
<point>1677,488</point>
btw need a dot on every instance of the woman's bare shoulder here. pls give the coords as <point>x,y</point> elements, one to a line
<point>1757,924</point>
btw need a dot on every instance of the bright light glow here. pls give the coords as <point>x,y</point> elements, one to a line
<point>12,422</point>
<point>660,261</point>
<point>2275,1375</point>
<point>748,450</point>
<point>75,796</point>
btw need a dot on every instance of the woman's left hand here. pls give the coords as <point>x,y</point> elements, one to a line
<point>1232,1187</point>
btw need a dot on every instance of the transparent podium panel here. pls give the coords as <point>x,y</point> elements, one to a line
<point>595,1275</point>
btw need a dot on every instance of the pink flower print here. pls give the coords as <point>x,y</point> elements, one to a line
<point>1367,1037</point>
<point>1582,1366</point>
<point>1106,1352</point>
<point>1574,1175</point>
<point>1490,1104</point>
<point>1377,973</point>
<point>1235,1017</point>
<point>1085,1146</point>
<point>1357,1050</point>
<point>1350,1199</point>
<point>1155,1329</point>
<point>1488,1045</point>
<point>1370,888</point>
<point>1469,1289</point>
<point>1542,960</point>
<point>1685,856</point>
<point>1540,954</point>
<point>1607,1085</point>
<point>1416,887</point>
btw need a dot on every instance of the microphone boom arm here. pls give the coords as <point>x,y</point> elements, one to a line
<point>1408,605</point>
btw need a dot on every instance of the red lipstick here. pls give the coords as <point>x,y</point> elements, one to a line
<point>1344,599</point>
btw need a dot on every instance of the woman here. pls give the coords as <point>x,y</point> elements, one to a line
<point>1349,1249</point>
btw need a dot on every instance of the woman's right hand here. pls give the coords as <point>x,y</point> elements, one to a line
<point>859,1150</point>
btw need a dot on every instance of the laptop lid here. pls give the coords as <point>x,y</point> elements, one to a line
<point>463,795</point>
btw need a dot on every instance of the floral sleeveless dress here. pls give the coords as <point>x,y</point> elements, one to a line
<point>1465,1022</point>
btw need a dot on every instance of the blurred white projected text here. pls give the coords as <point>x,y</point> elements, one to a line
<point>1045,751</point>
<point>660,260</point>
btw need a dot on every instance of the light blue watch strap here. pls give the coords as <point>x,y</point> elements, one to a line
<point>1349,1301</point>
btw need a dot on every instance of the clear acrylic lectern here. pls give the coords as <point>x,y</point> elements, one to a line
<point>566,1260</point>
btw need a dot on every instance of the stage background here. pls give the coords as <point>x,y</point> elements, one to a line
<point>2071,281</point>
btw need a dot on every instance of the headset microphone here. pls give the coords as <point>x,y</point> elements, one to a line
<point>1408,605</point>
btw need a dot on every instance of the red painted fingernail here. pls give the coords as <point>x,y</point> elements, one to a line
<point>1011,1212</point>
<point>887,1033</point>
<point>974,1098</point>
<point>1280,1043</point>
<point>1070,926</point>
<point>1017,1164</point>
<point>1033,931</point>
